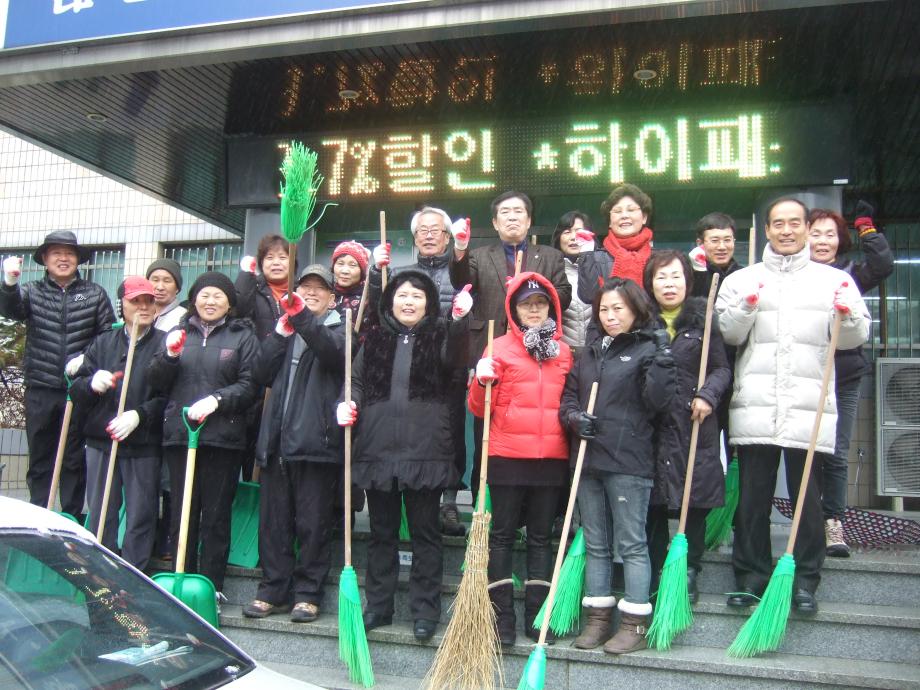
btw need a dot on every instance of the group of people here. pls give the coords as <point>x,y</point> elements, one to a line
<point>264,371</point>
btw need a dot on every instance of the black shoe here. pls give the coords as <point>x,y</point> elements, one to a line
<point>743,599</point>
<point>376,620</point>
<point>424,629</point>
<point>534,634</point>
<point>804,601</point>
<point>692,588</point>
<point>450,521</point>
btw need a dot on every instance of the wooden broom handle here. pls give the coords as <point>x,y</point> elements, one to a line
<point>700,380</point>
<point>360,317</point>
<point>486,423</point>
<point>810,455</point>
<point>347,479</point>
<point>383,241</point>
<point>752,241</point>
<point>110,471</point>
<point>292,262</point>
<point>566,523</point>
<point>59,455</point>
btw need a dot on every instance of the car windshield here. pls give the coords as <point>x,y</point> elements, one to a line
<point>71,616</point>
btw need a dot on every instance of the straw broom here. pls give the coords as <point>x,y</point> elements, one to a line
<point>353,649</point>
<point>469,656</point>
<point>673,614</point>
<point>534,675</point>
<point>765,629</point>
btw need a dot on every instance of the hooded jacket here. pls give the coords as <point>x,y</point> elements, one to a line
<point>783,346</point>
<point>400,386</point>
<point>60,323</point>
<point>675,425</point>
<point>305,372</point>
<point>525,399</point>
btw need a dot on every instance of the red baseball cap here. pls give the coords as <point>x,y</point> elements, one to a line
<point>135,286</point>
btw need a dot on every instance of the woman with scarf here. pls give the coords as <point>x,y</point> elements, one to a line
<point>627,246</point>
<point>528,448</point>
<point>401,410</point>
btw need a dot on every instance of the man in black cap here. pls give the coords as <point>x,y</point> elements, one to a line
<point>62,313</point>
<point>166,276</point>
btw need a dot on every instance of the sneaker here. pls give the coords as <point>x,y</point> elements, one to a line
<point>450,521</point>
<point>305,612</point>
<point>833,537</point>
<point>262,609</point>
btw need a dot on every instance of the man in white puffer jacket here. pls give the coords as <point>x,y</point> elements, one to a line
<point>779,313</point>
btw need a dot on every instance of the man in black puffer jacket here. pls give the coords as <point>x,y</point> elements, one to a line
<point>62,313</point>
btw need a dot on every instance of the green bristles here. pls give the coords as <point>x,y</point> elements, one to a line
<point>765,629</point>
<point>673,614</point>
<point>534,675</point>
<point>353,649</point>
<point>719,521</point>
<point>404,534</point>
<point>301,183</point>
<point>569,592</point>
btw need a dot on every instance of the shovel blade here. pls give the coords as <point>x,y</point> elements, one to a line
<point>195,591</point>
<point>244,526</point>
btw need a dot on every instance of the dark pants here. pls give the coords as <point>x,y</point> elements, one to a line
<point>140,480</point>
<point>752,554</point>
<point>834,472</point>
<point>537,506</point>
<point>385,509</point>
<point>457,403</point>
<point>477,458</point>
<point>659,537</point>
<point>217,474</point>
<point>295,502</point>
<point>44,416</point>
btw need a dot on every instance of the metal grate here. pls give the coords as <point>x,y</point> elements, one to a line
<point>898,426</point>
<point>899,471</point>
<point>200,258</point>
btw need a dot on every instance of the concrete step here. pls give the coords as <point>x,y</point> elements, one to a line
<point>314,648</point>
<point>877,633</point>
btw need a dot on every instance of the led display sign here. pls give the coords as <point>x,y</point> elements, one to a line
<point>726,148</point>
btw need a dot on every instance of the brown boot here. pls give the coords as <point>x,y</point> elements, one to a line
<point>630,636</point>
<point>598,611</point>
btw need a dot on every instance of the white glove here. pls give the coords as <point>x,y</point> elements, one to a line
<point>102,380</point>
<point>463,302</point>
<point>750,302</point>
<point>698,259</point>
<point>12,269</point>
<point>175,341</point>
<point>122,426</point>
<point>283,327</point>
<point>73,366</point>
<point>381,256</point>
<point>346,413</point>
<point>460,229</point>
<point>248,264</point>
<point>202,408</point>
<point>585,240</point>
<point>485,371</point>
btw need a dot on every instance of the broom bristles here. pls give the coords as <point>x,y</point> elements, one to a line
<point>566,613</point>
<point>534,675</point>
<point>301,183</point>
<point>469,656</point>
<point>673,614</point>
<point>719,521</point>
<point>404,534</point>
<point>353,649</point>
<point>765,629</point>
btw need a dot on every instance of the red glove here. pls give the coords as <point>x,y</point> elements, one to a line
<point>460,229</point>
<point>840,303</point>
<point>463,302</point>
<point>248,264</point>
<point>284,327</point>
<point>750,302</point>
<point>175,342</point>
<point>346,413</point>
<point>292,309</point>
<point>585,240</point>
<point>381,256</point>
<point>698,258</point>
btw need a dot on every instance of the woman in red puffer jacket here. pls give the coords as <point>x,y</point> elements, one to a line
<point>528,448</point>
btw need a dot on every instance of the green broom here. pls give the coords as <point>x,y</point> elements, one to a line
<point>404,534</point>
<point>534,675</point>
<point>719,520</point>
<point>765,629</point>
<point>567,607</point>
<point>673,614</point>
<point>353,649</point>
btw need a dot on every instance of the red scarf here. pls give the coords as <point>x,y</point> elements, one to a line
<point>630,254</point>
<point>278,289</point>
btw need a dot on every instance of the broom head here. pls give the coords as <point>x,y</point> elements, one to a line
<point>673,614</point>
<point>765,629</point>
<point>404,534</point>
<point>353,649</point>
<point>569,592</point>
<point>719,521</point>
<point>534,675</point>
<point>298,190</point>
<point>469,657</point>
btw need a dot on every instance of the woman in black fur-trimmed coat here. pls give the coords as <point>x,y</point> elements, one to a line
<point>668,280</point>
<point>403,446</point>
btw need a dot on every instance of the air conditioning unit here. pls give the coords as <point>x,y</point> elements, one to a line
<point>897,414</point>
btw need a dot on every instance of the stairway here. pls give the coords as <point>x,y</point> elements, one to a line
<point>866,633</point>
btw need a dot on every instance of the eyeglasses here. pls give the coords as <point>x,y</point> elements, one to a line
<point>628,209</point>
<point>716,241</point>
<point>429,232</point>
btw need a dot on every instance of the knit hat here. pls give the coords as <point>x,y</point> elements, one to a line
<point>62,237</point>
<point>214,279</point>
<point>355,250</point>
<point>134,286</point>
<point>171,266</point>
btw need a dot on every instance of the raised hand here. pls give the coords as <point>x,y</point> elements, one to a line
<point>284,327</point>
<point>381,256</point>
<point>463,302</point>
<point>460,229</point>
<point>248,264</point>
<point>12,270</point>
<point>175,342</point>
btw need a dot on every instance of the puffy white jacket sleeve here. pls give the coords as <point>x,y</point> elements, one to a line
<point>735,321</point>
<point>854,328</point>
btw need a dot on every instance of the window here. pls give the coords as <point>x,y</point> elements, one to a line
<point>199,258</point>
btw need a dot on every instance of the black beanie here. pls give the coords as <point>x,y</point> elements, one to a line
<point>213,279</point>
<point>171,266</point>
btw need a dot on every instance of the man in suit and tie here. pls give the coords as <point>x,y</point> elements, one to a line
<point>488,268</point>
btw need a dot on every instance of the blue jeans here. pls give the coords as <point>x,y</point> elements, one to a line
<point>834,482</point>
<point>613,510</point>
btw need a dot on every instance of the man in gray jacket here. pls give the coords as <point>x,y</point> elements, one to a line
<point>779,314</point>
<point>62,313</point>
